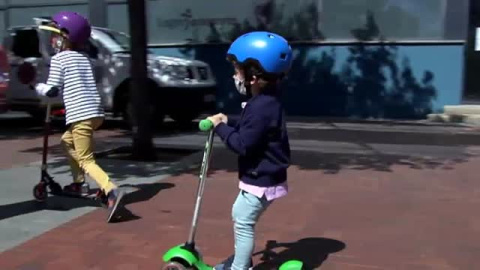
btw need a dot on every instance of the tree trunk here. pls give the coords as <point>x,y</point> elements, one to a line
<point>143,148</point>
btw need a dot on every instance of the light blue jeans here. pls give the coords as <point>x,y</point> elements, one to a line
<point>246,211</point>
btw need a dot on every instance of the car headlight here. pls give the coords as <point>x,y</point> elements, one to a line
<point>173,72</point>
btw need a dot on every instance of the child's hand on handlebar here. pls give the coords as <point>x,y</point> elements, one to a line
<point>218,118</point>
<point>53,92</point>
<point>47,90</point>
<point>223,117</point>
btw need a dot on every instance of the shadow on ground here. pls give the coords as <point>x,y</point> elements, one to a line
<point>311,251</point>
<point>119,165</point>
<point>333,163</point>
<point>387,134</point>
<point>142,192</point>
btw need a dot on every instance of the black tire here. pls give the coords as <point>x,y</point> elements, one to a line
<point>175,266</point>
<point>158,117</point>
<point>127,114</point>
<point>126,105</point>
<point>40,192</point>
<point>38,117</point>
<point>184,117</point>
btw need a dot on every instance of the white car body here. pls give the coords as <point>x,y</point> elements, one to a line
<point>181,88</point>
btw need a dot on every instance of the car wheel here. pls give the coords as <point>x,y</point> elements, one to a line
<point>130,121</point>
<point>184,117</point>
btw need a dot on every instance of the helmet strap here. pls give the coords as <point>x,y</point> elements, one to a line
<point>62,38</point>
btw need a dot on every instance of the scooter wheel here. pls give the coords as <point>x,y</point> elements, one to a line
<point>40,192</point>
<point>175,266</point>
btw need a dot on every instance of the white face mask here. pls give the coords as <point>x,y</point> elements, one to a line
<point>58,44</point>
<point>240,85</point>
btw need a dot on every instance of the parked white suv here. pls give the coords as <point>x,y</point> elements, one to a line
<point>181,88</point>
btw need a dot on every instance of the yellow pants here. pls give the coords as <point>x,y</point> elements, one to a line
<point>78,141</point>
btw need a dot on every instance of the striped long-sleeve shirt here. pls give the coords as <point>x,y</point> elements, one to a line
<point>71,72</point>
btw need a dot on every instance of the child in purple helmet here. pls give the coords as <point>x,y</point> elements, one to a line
<point>258,137</point>
<point>71,74</point>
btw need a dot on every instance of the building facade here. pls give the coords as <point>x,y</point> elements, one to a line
<point>353,58</point>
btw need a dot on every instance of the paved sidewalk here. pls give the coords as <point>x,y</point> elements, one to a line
<point>22,218</point>
<point>365,215</point>
<point>362,196</point>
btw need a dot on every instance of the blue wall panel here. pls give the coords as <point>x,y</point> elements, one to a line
<point>354,81</point>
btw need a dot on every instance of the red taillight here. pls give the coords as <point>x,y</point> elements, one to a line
<point>60,112</point>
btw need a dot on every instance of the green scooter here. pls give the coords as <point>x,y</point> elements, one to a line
<point>186,256</point>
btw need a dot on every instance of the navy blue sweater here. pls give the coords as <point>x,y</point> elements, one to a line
<point>260,139</point>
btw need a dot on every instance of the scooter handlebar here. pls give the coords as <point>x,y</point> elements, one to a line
<point>205,125</point>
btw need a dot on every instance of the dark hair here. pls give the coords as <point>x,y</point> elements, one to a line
<point>252,67</point>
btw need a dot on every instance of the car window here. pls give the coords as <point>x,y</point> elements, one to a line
<point>113,41</point>
<point>26,43</point>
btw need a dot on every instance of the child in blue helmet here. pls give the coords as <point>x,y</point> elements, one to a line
<point>258,137</point>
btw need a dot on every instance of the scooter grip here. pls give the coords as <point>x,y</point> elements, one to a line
<point>205,125</point>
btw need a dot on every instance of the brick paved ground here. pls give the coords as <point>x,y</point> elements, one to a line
<point>363,213</point>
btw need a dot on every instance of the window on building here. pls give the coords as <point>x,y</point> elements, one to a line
<point>213,21</point>
<point>394,19</point>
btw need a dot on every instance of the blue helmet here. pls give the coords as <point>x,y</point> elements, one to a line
<point>270,50</point>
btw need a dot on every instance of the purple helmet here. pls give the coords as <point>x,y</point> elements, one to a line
<point>76,25</point>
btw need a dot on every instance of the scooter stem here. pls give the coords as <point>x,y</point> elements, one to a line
<point>46,133</point>
<point>201,186</point>
<point>49,111</point>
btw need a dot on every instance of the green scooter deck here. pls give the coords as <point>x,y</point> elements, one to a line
<point>181,253</point>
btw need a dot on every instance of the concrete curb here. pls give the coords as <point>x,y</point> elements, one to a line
<point>327,120</point>
<point>465,120</point>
